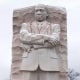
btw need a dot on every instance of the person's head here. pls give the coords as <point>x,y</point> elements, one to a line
<point>40,13</point>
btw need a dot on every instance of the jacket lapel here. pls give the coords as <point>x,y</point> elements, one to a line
<point>34,28</point>
<point>45,28</point>
<point>40,30</point>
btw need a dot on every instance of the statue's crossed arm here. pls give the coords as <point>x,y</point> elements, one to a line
<point>39,39</point>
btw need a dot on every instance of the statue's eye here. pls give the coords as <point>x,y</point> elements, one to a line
<point>41,10</point>
<point>36,10</point>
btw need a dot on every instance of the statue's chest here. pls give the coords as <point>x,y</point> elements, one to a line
<point>41,29</point>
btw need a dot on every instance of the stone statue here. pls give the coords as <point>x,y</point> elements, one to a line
<point>39,45</point>
<point>39,39</point>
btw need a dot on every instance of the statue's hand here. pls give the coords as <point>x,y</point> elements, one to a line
<point>47,44</point>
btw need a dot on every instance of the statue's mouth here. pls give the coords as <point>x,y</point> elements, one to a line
<point>39,15</point>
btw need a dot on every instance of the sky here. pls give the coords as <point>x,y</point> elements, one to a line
<point>73,28</point>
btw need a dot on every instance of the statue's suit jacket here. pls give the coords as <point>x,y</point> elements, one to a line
<point>36,52</point>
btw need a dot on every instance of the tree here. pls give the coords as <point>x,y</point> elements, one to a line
<point>72,75</point>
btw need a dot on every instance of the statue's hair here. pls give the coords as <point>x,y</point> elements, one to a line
<point>43,6</point>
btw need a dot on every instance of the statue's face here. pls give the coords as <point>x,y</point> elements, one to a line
<point>40,14</point>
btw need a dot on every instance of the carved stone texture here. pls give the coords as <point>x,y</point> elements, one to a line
<point>56,15</point>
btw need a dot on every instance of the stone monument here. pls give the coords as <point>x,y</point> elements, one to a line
<point>39,50</point>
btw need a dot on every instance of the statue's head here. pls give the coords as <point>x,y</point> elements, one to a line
<point>40,13</point>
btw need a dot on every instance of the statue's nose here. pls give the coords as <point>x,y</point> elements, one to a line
<point>39,13</point>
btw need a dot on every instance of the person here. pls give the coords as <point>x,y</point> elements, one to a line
<point>39,38</point>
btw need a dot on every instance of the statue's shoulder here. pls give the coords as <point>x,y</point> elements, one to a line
<point>52,24</point>
<point>26,24</point>
<point>33,23</point>
<point>55,25</point>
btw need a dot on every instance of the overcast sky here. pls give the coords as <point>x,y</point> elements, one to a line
<point>73,26</point>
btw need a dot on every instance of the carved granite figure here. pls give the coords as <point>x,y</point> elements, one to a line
<point>39,39</point>
<point>39,47</point>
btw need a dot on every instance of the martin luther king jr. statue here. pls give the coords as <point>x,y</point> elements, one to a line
<point>39,38</point>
